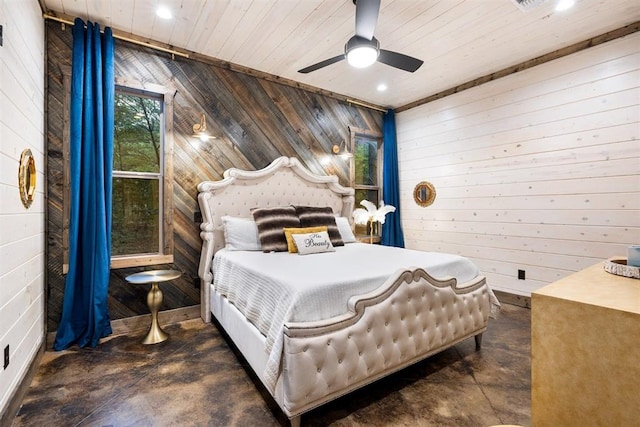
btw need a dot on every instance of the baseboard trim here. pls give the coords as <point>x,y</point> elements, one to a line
<point>513,299</point>
<point>12,408</point>
<point>142,322</point>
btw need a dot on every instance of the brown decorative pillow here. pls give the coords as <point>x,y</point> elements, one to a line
<point>271,223</point>
<point>312,216</point>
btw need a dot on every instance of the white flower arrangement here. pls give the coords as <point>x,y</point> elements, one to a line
<point>371,215</point>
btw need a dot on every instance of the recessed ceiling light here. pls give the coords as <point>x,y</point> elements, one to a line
<point>382,87</point>
<point>164,12</point>
<point>564,5</point>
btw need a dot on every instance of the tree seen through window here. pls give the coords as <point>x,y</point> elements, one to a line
<point>137,174</point>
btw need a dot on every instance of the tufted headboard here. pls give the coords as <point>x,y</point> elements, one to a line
<point>284,182</point>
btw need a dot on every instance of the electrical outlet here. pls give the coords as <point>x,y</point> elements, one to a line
<point>521,275</point>
<point>6,356</point>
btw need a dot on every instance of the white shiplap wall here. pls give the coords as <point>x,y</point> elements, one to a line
<point>537,171</point>
<point>22,235</point>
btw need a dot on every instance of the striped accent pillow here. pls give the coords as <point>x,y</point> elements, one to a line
<point>271,223</point>
<point>312,216</point>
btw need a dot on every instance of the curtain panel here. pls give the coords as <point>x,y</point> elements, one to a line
<point>391,229</point>
<point>85,314</point>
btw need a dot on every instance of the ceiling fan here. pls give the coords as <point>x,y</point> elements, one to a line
<point>363,49</point>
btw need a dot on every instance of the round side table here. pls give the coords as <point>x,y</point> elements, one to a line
<point>154,299</point>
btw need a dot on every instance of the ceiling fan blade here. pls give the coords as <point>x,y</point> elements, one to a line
<point>366,17</point>
<point>322,64</point>
<point>399,60</point>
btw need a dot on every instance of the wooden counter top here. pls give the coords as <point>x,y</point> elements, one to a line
<point>595,286</point>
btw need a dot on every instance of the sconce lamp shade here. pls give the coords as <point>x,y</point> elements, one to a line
<point>344,153</point>
<point>200,130</point>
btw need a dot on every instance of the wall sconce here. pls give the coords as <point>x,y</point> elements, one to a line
<point>200,130</point>
<point>341,150</point>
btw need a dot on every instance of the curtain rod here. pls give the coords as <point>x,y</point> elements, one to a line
<point>123,38</point>
<point>362,104</point>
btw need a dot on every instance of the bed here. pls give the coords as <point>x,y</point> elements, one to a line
<point>309,344</point>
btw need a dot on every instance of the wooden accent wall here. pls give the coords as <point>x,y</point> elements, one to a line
<point>255,121</point>
<point>538,171</point>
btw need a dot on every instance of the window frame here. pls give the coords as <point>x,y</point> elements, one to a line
<point>165,254</point>
<point>354,133</point>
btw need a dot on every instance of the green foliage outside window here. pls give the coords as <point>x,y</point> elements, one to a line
<point>137,134</point>
<point>137,178</point>
<point>366,184</point>
<point>366,162</point>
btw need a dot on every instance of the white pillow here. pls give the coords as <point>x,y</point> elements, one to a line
<point>241,234</point>
<point>313,243</point>
<point>345,230</point>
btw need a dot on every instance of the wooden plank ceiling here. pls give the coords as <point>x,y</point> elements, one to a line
<point>458,40</point>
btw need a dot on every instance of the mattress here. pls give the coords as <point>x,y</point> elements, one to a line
<point>271,289</point>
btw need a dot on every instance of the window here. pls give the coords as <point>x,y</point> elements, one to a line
<point>366,170</point>
<point>141,231</point>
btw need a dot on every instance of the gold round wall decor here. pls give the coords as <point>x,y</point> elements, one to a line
<point>27,178</point>
<point>424,194</point>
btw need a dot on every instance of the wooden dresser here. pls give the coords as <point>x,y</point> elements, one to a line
<point>585,351</point>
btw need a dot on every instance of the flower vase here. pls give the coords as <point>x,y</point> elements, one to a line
<point>371,232</point>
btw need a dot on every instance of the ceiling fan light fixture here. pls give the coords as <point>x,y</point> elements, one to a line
<point>361,52</point>
<point>362,56</point>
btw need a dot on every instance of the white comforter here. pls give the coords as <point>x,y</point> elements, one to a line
<point>274,288</point>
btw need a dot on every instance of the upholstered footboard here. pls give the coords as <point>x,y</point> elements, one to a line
<point>410,317</point>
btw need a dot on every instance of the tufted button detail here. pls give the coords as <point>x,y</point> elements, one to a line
<point>403,330</point>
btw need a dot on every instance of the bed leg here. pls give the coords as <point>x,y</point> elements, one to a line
<point>295,421</point>
<point>478,339</point>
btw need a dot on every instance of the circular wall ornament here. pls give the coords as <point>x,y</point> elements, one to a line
<point>424,194</point>
<point>27,178</point>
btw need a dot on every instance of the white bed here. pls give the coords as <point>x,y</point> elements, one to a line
<point>308,343</point>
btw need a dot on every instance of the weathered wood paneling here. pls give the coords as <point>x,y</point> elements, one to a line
<point>538,171</point>
<point>255,121</point>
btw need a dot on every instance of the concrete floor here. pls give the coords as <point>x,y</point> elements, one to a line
<point>196,379</point>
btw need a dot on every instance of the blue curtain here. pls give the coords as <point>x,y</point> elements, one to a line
<point>85,314</point>
<point>391,229</point>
